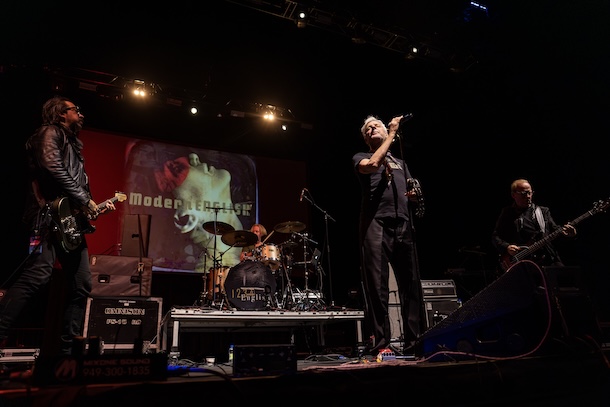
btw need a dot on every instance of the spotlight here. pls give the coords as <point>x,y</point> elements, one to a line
<point>302,17</point>
<point>413,52</point>
<point>194,110</point>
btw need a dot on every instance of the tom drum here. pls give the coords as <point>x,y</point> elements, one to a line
<point>270,256</point>
<point>216,281</point>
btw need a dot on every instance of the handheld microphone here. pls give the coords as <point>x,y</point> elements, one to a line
<point>406,117</point>
<point>302,193</point>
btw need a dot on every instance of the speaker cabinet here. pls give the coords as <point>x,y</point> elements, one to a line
<point>515,315</point>
<point>439,309</point>
<point>440,300</point>
<point>124,322</point>
<point>120,276</point>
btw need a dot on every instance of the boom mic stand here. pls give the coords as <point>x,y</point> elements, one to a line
<point>326,218</point>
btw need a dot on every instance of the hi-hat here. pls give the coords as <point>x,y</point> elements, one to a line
<point>289,227</point>
<point>221,228</point>
<point>239,238</point>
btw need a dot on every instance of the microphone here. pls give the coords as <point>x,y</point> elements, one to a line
<point>302,193</point>
<point>406,117</point>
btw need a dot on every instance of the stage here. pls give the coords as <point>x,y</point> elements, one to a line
<point>511,344</point>
<point>573,377</point>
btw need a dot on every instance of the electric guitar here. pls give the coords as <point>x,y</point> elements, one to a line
<point>506,260</point>
<point>70,225</point>
<point>413,184</point>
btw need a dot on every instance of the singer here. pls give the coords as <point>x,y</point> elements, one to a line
<point>386,237</point>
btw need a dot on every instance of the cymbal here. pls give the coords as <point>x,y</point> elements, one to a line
<point>289,227</point>
<point>221,228</point>
<point>239,238</point>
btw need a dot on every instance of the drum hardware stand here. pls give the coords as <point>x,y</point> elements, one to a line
<point>287,295</point>
<point>203,295</point>
<point>215,262</point>
<point>304,237</point>
<point>326,218</point>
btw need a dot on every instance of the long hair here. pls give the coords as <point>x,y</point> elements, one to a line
<point>53,109</point>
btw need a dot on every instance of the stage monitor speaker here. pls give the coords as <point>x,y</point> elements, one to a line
<point>135,237</point>
<point>527,310</point>
<point>120,276</point>
<point>508,318</point>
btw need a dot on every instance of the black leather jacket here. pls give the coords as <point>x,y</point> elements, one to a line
<point>56,168</point>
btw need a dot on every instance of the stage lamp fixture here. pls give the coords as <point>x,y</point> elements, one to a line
<point>139,88</point>
<point>302,17</point>
<point>413,52</point>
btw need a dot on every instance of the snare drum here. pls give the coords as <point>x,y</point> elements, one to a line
<point>270,256</point>
<point>216,281</point>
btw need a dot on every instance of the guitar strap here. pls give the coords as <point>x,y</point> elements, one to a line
<point>540,219</point>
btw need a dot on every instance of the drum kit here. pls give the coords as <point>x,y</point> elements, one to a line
<point>262,281</point>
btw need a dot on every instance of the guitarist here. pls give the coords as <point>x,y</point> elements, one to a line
<point>523,223</point>
<point>56,170</point>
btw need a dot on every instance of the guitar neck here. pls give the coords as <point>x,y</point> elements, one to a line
<point>103,205</point>
<point>507,261</point>
<point>523,254</point>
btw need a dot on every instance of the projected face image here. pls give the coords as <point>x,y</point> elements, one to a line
<point>201,188</point>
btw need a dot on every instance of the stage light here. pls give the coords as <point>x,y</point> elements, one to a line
<point>302,17</point>
<point>139,88</point>
<point>194,110</point>
<point>413,52</point>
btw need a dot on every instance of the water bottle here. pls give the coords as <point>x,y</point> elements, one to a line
<point>231,353</point>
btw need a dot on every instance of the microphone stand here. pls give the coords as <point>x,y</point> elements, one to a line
<point>326,218</point>
<point>215,263</point>
<point>422,314</point>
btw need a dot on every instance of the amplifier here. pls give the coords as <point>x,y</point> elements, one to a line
<point>120,275</point>
<point>120,322</point>
<point>439,309</point>
<point>438,288</point>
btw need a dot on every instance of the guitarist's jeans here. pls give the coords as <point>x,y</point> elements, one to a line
<point>36,274</point>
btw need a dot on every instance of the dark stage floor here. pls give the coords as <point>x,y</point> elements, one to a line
<point>573,375</point>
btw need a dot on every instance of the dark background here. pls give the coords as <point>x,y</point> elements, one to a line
<point>530,101</point>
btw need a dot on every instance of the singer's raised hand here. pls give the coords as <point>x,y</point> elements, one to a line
<point>394,123</point>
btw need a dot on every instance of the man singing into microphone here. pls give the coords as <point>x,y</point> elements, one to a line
<point>386,236</point>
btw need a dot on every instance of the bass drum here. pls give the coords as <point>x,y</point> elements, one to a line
<point>250,285</point>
